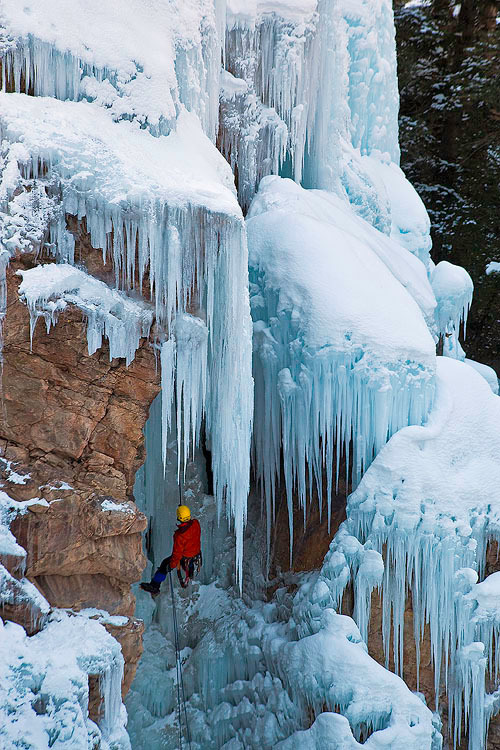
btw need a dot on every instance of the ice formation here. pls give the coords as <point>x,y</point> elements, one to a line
<point>142,61</point>
<point>48,289</point>
<point>113,119</point>
<point>453,288</point>
<point>44,679</point>
<point>429,504</point>
<point>333,365</point>
<point>45,703</point>
<point>288,52</point>
<point>174,220</point>
<point>254,669</point>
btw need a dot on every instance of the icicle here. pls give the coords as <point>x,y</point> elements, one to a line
<point>48,289</point>
<point>111,685</point>
<point>188,74</point>
<point>168,352</point>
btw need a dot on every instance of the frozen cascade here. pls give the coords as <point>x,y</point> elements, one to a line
<point>345,325</point>
<point>133,217</point>
<point>253,669</point>
<point>276,51</point>
<point>272,120</point>
<point>414,505</point>
<point>328,370</point>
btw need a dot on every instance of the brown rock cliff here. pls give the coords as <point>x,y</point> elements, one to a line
<point>68,419</point>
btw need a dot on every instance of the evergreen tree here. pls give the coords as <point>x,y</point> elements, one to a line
<point>448,59</point>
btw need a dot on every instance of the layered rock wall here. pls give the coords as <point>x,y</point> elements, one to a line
<point>71,439</point>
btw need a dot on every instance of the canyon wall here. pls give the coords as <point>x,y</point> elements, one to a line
<point>71,440</point>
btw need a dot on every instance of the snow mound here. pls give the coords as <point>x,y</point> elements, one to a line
<point>44,688</point>
<point>331,668</point>
<point>341,346</point>
<point>487,372</point>
<point>379,192</point>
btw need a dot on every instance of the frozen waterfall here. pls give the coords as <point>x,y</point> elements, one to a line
<point>234,168</point>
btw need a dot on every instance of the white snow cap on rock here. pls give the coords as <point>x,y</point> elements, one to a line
<point>141,59</point>
<point>45,703</point>
<point>48,289</point>
<point>118,162</point>
<point>341,345</point>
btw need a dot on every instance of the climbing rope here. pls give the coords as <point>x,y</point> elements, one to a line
<point>181,696</point>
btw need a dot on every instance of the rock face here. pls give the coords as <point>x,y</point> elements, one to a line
<point>71,426</point>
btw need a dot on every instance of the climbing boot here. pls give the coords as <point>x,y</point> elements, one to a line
<point>152,588</point>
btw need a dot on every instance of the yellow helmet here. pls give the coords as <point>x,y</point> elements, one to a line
<point>183,513</point>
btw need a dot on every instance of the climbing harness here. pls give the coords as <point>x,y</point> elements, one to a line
<point>191,567</point>
<point>181,704</point>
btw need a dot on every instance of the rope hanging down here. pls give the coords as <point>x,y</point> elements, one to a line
<point>181,704</point>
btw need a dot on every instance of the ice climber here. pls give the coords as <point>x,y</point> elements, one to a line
<point>186,552</point>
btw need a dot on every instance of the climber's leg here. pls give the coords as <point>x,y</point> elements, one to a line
<point>153,587</point>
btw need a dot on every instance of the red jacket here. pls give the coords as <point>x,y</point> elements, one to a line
<point>187,541</point>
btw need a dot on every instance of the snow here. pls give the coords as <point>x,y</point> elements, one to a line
<point>103,617</point>
<point>59,485</point>
<point>341,347</point>
<point>337,670</point>
<point>453,288</point>
<point>116,507</point>
<point>13,476</point>
<point>45,703</point>
<point>407,220</point>
<point>15,589</point>
<point>487,593</point>
<point>487,372</point>
<point>48,289</point>
<point>116,162</point>
<point>428,503</point>
<point>493,267</point>
<point>230,86</point>
<point>22,592</point>
<point>8,543</point>
<point>159,56</point>
<point>247,12</point>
